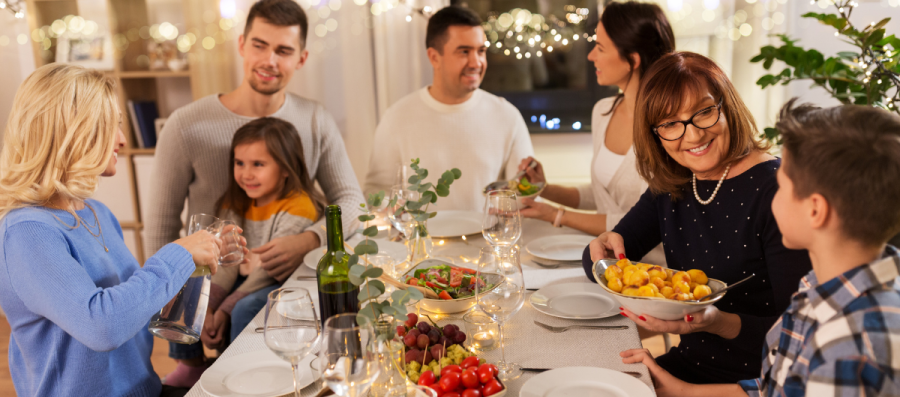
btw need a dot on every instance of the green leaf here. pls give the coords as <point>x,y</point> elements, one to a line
<point>370,231</point>
<point>365,218</point>
<point>874,37</point>
<point>413,179</point>
<point>432,215</point>
<point>424,188</point>
<point>376,284</point>
<point>456,173</point>
<point>442,190</point>
<point>429,196</point>
<point>415,294</point>
<point>423,173</point>
<point>366,294</point>
<point>354,259</point>
<point>375,199</point>
<point>413,205</point>
<point>363,318</point>
<point>421,216</point>
<point>881,24</point>
<point>366,247</point>
<point>355,274</point>
<point>374,272</point>
<point>392,311</point>
<point>850,56</point>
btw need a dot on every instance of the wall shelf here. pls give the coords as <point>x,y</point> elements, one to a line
<point>146,74</point>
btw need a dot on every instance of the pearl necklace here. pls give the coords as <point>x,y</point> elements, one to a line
<point>711,198</point>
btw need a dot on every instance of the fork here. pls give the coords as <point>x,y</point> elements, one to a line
<point>566,328</point>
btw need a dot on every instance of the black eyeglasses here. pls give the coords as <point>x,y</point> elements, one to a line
<point>703,119</point>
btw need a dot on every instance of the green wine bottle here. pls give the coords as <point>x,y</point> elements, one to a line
<point>337,295</point>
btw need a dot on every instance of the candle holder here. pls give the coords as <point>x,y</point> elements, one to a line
<point>483,332</point>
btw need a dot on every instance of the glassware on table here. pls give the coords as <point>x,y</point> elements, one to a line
<point>351,365</point>
<point>419,391</point>
<point>291,326</point>
<point>397,214</point>
<point>502,224</point>
<point>483,331</point>
<point>317,368</point>
<point>383,261</point>
<point>337,294</point>
<point>181,320</point>
<point>390,352</point>
<point>502,301</point>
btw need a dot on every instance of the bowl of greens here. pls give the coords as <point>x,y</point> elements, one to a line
<point>454,285</point>
<point>524,189</point>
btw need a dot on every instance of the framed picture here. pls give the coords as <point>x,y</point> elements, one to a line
<point>95,52</point>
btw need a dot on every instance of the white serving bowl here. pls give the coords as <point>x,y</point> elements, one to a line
<point>443,306</point>
<point>661,308</point>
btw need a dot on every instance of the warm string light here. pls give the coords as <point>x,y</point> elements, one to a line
<point>525,34</point>
<point>14,6</point>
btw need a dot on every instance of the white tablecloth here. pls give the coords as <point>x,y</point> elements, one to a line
<point>526,343</point>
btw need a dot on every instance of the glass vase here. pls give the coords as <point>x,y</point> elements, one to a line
<point>388,348</point>
<point>419,244</point>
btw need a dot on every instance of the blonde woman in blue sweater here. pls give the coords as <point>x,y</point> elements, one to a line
<point>76,299</point>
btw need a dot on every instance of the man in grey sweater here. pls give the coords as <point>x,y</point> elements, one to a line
<point>193,153</point>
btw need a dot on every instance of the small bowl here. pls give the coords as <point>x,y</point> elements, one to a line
<point>661,308</point>
<point>519,197</point>
<point>443,306</point>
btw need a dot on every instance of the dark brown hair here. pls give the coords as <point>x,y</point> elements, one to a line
<point>436,33</point>
<point>851,156</point>
<point>638,28</point>
<point>673,81</point>
<point>279,13</point>
<point>283,143</point>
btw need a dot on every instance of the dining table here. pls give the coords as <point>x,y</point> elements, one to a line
<point>524,342</point>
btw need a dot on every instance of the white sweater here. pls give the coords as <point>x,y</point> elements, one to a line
<point>622,192</point>
<point>485,137</point>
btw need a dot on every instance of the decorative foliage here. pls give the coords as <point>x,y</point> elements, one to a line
<point>870,76</point>
<point>373,310</point>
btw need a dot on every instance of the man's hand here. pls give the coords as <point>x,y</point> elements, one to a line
<point>664,383</point>
<point>281,256</point>
<point>214,329</point>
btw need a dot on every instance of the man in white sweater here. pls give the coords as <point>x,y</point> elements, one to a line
<point>193,156</point>
<point>452,123</point>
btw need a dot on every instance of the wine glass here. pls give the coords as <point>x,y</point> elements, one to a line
<point>502,224</point>
<point>501,296</point>
<point>291,327</point>
<point>401,219</point>
<point>351,365</point>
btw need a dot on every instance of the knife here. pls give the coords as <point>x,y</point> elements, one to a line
<point>632,373</point>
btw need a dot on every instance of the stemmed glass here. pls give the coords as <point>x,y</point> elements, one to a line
<point>501,297</point>
<point>502,224</point>
<point>397,215</point>
<point>351,366</point>
<point>291,328</point>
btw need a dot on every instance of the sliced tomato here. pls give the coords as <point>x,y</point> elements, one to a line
<point>412,281</point>
<point>466,270</point>
<point>456,277</point>
<point>444,295</point>
<point>430,284</point>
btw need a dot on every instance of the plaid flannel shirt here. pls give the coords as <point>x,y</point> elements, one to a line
<point>841,338</point>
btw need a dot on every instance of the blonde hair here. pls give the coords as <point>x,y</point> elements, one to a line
<point>59,137</point>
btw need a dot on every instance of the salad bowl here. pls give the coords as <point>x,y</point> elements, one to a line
<point>523,192</point>
<point>447,306</point>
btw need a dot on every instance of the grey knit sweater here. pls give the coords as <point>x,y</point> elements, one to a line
<point>192,161</point>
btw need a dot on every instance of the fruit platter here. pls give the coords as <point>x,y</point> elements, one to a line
<point>435,357</point>
<point>454,285</point>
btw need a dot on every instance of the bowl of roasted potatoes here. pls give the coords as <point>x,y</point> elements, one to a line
<point>656,291</point>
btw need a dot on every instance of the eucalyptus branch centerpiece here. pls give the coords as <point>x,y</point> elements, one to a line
<point>869,76</point>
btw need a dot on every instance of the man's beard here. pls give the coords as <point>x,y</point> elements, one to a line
<point>265,91</point>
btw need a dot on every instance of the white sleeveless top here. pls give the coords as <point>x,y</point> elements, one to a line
<point>605,165</point>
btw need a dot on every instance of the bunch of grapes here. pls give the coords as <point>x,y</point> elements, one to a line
<point>426,343</point>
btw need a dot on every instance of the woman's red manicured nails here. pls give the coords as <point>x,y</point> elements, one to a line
<point>642,318</point>
<point>623,314</point>
<point>621,256</point>
<point>621,309</point>
<point>689,318</point>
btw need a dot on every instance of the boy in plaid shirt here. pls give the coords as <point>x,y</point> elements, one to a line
<point>838,198</point>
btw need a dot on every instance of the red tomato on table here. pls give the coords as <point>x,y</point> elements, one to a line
<point>471,393</point>
<point>492,387</point>
<point>426,378</point>
<point>456,277</point>
<point>445,295</point>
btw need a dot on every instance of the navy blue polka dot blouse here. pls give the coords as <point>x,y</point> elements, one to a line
<point>730,238</point>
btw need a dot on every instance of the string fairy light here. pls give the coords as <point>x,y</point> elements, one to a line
<point>16,7</point>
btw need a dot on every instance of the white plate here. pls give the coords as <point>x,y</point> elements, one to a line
<point>559,248</point>
<point>575,301</point>
<point>396,250</point>
<point>453,223</point>
<point>258,374</point>
<point>585,382</point>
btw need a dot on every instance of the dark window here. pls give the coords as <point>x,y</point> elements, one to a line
<point>554,89</point>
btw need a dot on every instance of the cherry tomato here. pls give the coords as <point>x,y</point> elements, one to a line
<point>440,391</point>
<point>451,394</point>
<point>412,281</point>
<point>426,379</point>
<point>493,369</point>
<point>469,362</point>
<point>470,378</point>
<point>430,284</point>
<point>471,393</point>
<point>492,387</point>
<point>451,368</point>
<point>485,374</point>
<point>445,296</point>
<point>450,380</point>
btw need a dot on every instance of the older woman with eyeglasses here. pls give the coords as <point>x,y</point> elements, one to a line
<point>709,204</point>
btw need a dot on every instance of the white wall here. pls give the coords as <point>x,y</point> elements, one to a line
<point>16,59</point>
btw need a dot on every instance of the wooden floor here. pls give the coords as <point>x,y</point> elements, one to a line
<point>163,364</point>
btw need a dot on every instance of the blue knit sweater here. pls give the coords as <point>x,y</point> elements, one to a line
<point>79,315</point>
